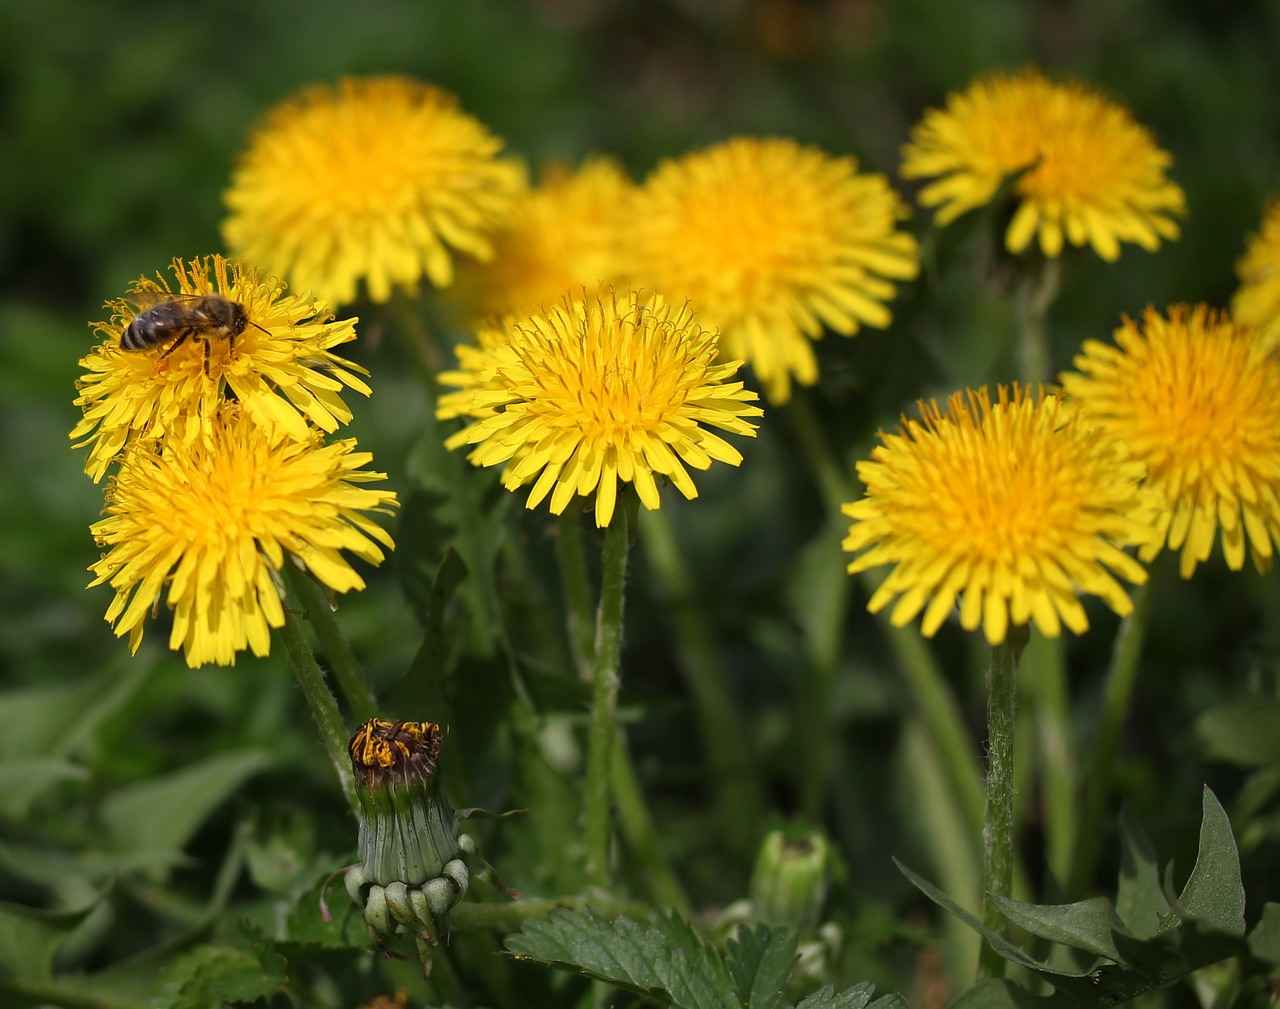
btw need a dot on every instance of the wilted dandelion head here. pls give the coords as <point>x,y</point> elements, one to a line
<point>1093,176</point>
<point>374,179</point>
<point>773,243</point>
<point>1195,398</point>
<point>1014,509</point>
<point>601,389</point>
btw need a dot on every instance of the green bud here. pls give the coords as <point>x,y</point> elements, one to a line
<point>791,878</point>
<point>408,830</point>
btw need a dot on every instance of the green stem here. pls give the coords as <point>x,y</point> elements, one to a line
<point>1036,291</point>
<point>720,722</point>
<point>1099,776</point>
<point>1048,694</point>
<point>997,832</point>
<point>602,739</point>
<point>577,591</point>
<point>337,652</point>
<point>324,708</point>
<point>641,837</point>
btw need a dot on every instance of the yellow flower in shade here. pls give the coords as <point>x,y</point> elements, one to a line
<point>1257,301</point>
<point>1195,397</point>
<point>772,242</point>
<point>602,388</point>
<point>279,368</point>
<point>1093,175</point>
<point>1014,507</point>
<point>571,230</point>
<point>374,179</point>
<point>214,521</point>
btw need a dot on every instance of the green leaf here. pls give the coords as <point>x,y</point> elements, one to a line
<point>217,973</point>
<point>1264,940</point>
<point>999,994</point>
<point>29,938</point>
<point>664,959</point>
<point>856,997</point>
<point>1085,925</point>
<point>760,961</point>
<point>160,815</point>
<point>1140,899</point>
<point>1245,732</point>
<point>1214,893</point>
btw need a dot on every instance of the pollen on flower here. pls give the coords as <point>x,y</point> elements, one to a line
<point>375,179</point>
<point>602,389</point>
<point>1195,398</point>
<point>1092,175</point>
<point>773,243</point>
<point>383,752</point>
<point>280,369</point>
<point>1013,509</point>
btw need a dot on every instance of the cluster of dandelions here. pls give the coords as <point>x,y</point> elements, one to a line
<point>213,444</point>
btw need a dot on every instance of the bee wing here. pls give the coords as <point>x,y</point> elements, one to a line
<point>143,300</point>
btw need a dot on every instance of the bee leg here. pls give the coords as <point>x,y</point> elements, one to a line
<point>175,345</point>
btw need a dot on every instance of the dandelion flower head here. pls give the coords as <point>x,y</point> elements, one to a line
<point>374,179</point>
<point>280,368</point>
<point>604,387</point>
<point>571,230</point>
<point>214,521</point>
<point>1013,508</point>
<point>773,242</point>
<point>1194,397</point>
<point>1257,300</point>
<point>1093,176</point>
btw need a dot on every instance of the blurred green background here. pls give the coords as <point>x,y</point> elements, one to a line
<point>119,126</point>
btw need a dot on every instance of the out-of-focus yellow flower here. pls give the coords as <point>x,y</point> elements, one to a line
<point>214,520</point>
<point>572,230</point>
<point>374,179</point>
<point>1195,398</point>
<point>773,242</point>
<point>1093,176</point>
<point>1257,301</point>
<point>280,368</point>
<point>1014,508</point>
<point>602,388</point>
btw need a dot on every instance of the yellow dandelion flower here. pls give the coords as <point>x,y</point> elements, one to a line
<point>1196,399</point>
<point>772,242</point>
<point>215,520</point>
<point>279,367</point>
<point>571,230</point>
<point>1015,507</point>
<point>603,387</point>
<point>374,179</point>
<point>1257,301</point>
<point>1093,175</point>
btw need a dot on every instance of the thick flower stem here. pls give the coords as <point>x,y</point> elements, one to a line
<point>577,592</point>
<point>602,740</point>
<point>324,707</point>
<point>720,722</point>
<point>997,831</point>
<point>1036,290</point>
<point>1115,707</point>
<point>337,652</point>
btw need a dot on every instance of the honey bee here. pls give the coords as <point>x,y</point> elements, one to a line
<point>164,317</point>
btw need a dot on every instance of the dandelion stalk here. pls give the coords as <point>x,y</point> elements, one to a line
<point>1117,695</point>
<point>1036,290</point>
<point>577,592</point>
<point>997,831</point>
<point>337,651</point>
<point>604,697</point>
<point>324,706</point>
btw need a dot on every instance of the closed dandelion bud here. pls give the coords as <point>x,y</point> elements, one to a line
<point>792,875</point>
<point>408,830</point>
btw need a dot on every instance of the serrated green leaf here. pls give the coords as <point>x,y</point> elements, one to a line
<point>161,814</point>
<point>1264,940</point>
<point>217,973</point>
<point>1245,732</point>
<point>826,997</point>
<point>1140,900</point>
<point>1214,893</point>
<point>1085,925</point>
<point>663,959</point>
<point>890,1001</point>
<point>760,961</point>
